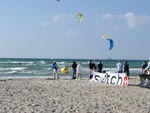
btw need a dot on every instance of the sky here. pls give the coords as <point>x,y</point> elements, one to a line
<point>50,29</point>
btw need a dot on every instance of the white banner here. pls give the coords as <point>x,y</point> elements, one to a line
<point>110,78</point>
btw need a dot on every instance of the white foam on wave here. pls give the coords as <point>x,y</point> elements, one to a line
<point>15,69</point>
<point>42,62</point>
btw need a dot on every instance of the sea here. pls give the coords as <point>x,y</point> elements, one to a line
<point>41,68</point>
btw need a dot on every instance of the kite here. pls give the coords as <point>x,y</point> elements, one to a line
<point>58,0</point>
<point>80,16</point>
<point>111,42</point>
<point>105,36</point>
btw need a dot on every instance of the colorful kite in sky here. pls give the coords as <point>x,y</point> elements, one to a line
<point>80,16</point>
<point>105,36</point>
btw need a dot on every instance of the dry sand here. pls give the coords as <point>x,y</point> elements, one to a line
<point>71,96</point>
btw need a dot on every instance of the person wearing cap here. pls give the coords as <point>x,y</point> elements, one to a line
<point>54,67</point>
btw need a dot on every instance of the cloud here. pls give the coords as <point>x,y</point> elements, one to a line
<point>134,20</point>
<point>45,24</point>
<point>61,17</point>
<point>129,20</point>
<point>72,33</point>
<point>57,18</point>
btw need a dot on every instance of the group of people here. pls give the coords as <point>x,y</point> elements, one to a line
<point>92,67</point>
<point>76,70</point>
<point>99,68</point>
<point>123,68</point>
<point>76,67</point>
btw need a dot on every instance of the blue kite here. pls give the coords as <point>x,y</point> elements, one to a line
<point>111,43</point>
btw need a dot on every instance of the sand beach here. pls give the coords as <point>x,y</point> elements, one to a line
<point>40,95</point>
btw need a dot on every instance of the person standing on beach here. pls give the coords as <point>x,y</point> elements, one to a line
<point>146,73</point>
<point>119,67</point>
<point>54,67</point>
<point>100,66</point>
<point>147,69</point>
<point>91,69</point>
<point>74,66</point>
<point>78,74</point>
<point>144,65</point>
<point>91,66</point>
<point>126,68</point>
<point>94,67</point>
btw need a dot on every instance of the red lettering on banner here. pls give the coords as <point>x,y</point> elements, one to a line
<point>125,81</point>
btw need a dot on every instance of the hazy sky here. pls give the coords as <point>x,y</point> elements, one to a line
<point>50,29</point>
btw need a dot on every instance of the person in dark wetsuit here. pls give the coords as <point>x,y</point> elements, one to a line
<point>91,67</point>
<point>100,66</point>
<point>74,66</point>
<point>126,68</point>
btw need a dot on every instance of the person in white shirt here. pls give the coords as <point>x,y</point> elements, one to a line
<point>119,67</point>
<point>78,69</point>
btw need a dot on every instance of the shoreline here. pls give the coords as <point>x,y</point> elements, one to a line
<point>48,76</point>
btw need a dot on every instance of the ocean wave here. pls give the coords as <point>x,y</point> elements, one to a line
<point>41,62</point>
<point>16,62</point>
<point>14,68</point>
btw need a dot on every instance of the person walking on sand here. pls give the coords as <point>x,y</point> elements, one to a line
<point>78,74</point>
<point>74,66</point>
<point>54,67</point>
